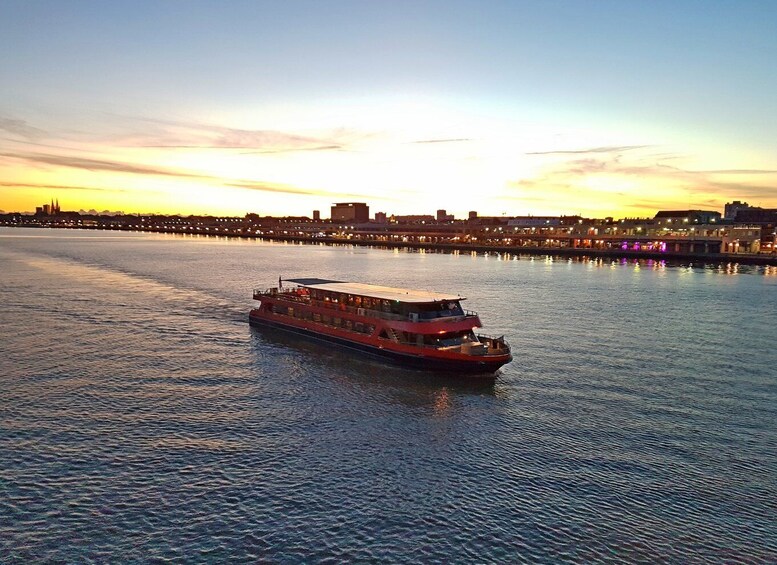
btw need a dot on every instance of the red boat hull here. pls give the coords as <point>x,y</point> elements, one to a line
<point>403,354</point>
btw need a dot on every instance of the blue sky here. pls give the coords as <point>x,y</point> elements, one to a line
<point>683,86</point>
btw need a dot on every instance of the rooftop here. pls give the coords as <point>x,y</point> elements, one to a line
<point>376,291</point>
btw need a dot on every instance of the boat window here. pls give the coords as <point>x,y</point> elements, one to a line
<point>438,310</point>
<point>450,339</point>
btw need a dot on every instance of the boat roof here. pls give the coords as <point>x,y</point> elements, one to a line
<point>376,291</point>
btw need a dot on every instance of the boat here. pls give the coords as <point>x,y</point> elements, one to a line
<point>420,329</point>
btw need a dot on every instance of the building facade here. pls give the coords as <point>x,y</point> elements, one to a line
<point>731,208</point>
<point>357,212</point>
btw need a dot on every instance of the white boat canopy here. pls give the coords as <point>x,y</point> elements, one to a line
<point>377,291</point>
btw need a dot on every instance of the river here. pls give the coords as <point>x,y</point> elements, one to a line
<point>143,419</point>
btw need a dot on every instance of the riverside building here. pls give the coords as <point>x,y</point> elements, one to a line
<point>357,212</point>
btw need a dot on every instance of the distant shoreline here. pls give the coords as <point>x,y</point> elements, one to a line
<point>744,259</point>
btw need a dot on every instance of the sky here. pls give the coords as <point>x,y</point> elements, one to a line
<point>591,107</point>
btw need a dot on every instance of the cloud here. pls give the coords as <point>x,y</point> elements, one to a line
<point>66,187</point>
<point>231,139</point>
<point>741,190</point>
<point>100,165</point>
<point>615,166</point>
<point>606,149</point>
<point>267,151</point>
<point>601,180</point>
<point>121,167</point>
<point>21,128</point>
<point>294,150</point>
<point>173,134</point>
<point>653,204</point>
<point>273,187</point>
<point>739,172</point>
<point>452,140</point>
<point>289,189</point>
<point>47,145</point>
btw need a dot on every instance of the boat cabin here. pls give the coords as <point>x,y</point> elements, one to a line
<point>408,304</point>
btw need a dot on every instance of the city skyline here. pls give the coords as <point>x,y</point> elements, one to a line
<point>606,109</point>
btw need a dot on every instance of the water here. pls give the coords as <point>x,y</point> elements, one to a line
<point>143,419</point>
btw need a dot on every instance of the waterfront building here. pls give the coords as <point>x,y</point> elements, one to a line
<point>357,212</point>
<point>752,232</point>
<point>413,219</point>
<point>756,215</point>
<point>741,239</point>
<point>766,219</point>
<point>443,216</point>
<point>488,221</point>
<point>316,215</point>
<point>536,221</point>
<point>473,215</point>
<point>731,208</point>
<point>665,217</point>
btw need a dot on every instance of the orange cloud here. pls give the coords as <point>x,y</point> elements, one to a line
<point>288,189</point>
<point>98,165</point>
<point>66,187</point>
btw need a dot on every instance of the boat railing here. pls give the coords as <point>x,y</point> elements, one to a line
<point>471,348</point>
<point>494,343</point>
<point>292,293</point>
<point>371,313</point>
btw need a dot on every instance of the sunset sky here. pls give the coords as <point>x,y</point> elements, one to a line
<point>602,108</point>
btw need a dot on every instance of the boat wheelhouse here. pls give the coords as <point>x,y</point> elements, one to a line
<point>412,327</point>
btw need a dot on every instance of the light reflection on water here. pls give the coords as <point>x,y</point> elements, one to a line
<point>144,419</point>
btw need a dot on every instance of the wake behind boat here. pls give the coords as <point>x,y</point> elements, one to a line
<point>411,327</point>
